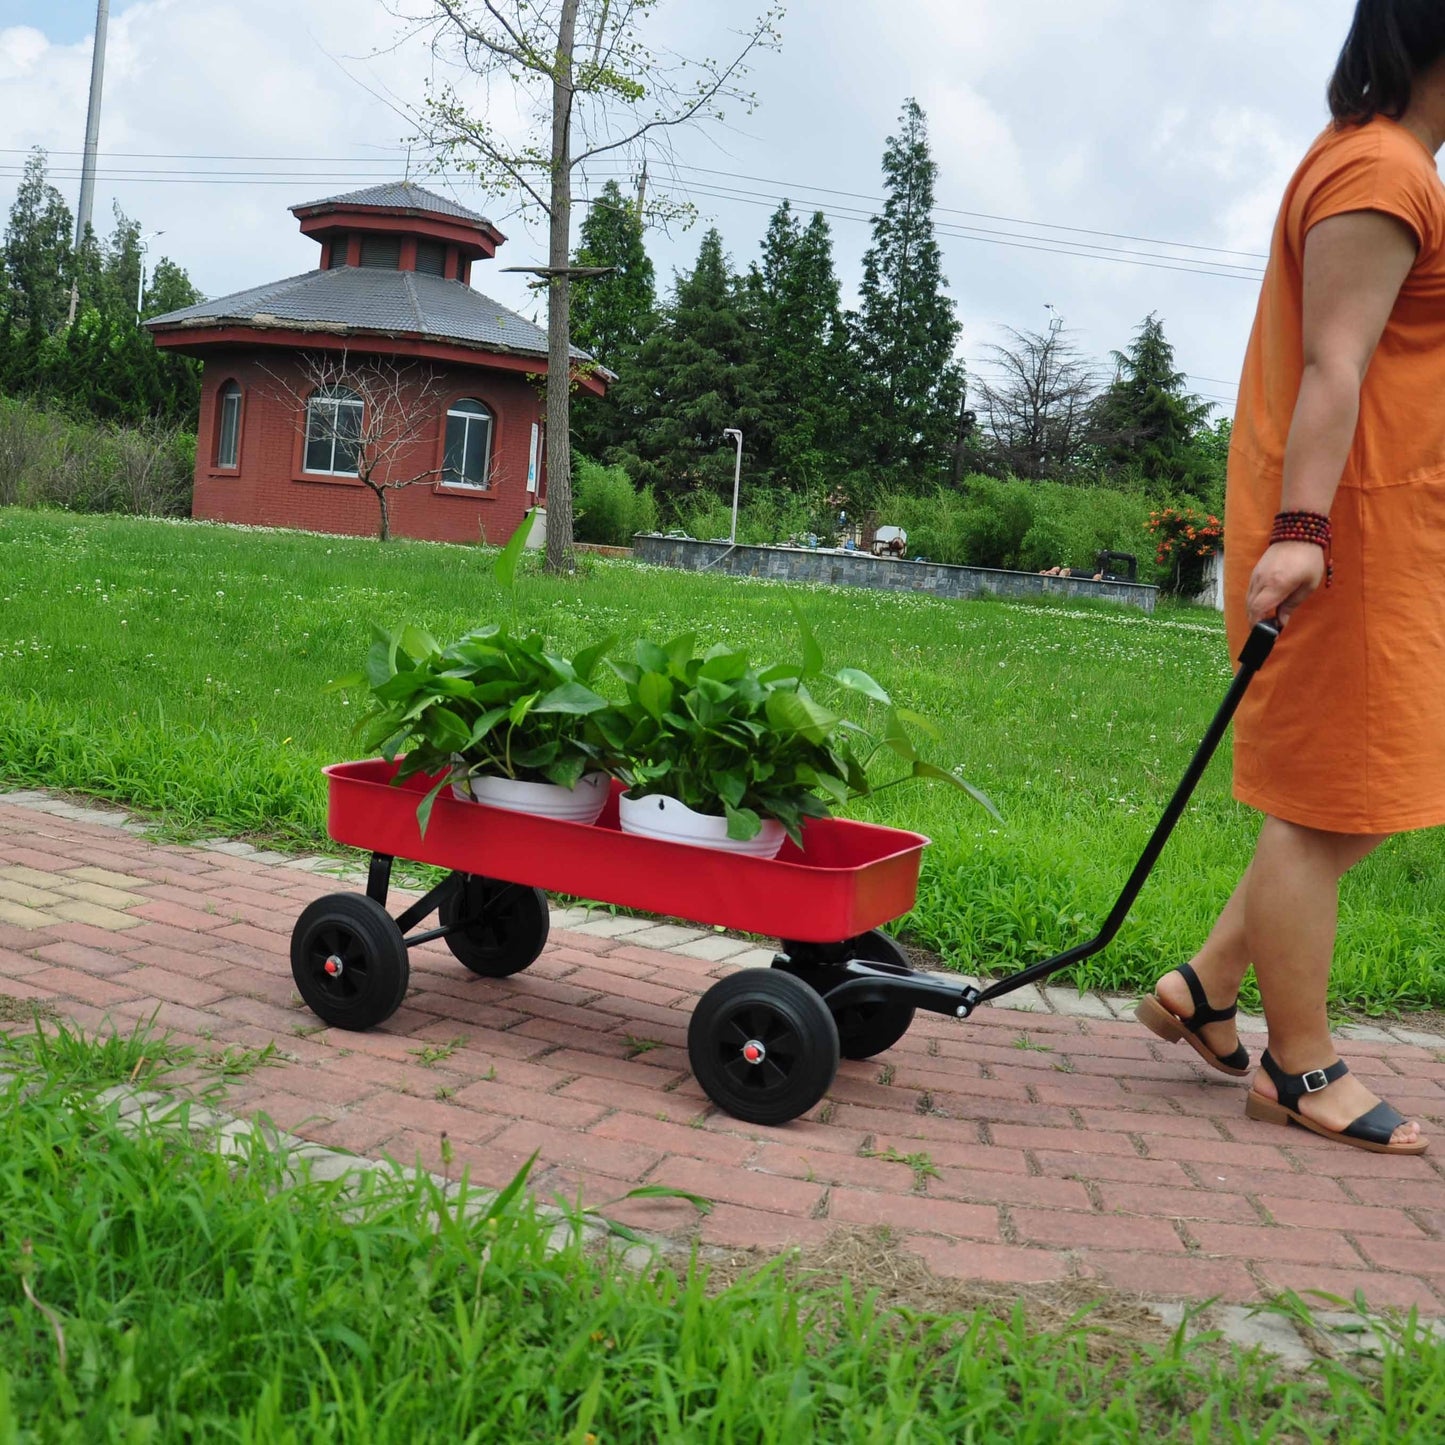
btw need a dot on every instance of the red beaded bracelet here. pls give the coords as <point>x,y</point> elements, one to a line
<point>1311,527</point>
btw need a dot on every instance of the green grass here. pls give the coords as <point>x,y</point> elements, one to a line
<point>153,1292</point>
<point>180,668</point>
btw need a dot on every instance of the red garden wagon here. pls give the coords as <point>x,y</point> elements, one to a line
<point>764,1043</point>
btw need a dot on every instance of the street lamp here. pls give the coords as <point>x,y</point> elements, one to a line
<point>140,289</point>
<point>737,436</point>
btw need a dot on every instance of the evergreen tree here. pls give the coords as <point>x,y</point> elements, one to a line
<point>1145,422</point>
<point>169,289</point>
<point>694,375</point>
<point>906,331</point>
<point>793,302</point>
<point>38,250</point>
<point>610,314</point>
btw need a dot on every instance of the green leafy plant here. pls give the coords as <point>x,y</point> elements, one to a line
<point>496,703</point>
<point>729,739</point>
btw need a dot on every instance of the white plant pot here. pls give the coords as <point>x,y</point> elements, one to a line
<point>581,804</point>
<point>658,817</point>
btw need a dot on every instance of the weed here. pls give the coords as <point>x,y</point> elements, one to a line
<point>444,1091</point>
<point>886,1074</point>
<point>1025,1042</point>
<point>237,1061</point>
<point>637,1047</point>
<point>430,1055</point>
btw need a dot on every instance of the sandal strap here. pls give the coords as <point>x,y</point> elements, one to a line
<point>1203,1012</point>
<point>1378,1125</point>
<point>1291,1088</point>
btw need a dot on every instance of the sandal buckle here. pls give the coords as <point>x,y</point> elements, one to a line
<point>1314,1081</point>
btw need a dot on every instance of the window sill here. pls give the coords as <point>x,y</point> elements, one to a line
<point>219,473</point>
<point>332,479</point>
<point>450,489</point>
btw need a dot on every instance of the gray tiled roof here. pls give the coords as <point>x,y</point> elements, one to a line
<point>371,300</point>
<point>403,195</point>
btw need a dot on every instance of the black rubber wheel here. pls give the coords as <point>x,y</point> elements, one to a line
<point>349,961</point>
<point>504,925</point>
<point>763,1046</point>
<point>864,1029</point>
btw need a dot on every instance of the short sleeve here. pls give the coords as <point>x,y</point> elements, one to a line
<point>1371,169</point>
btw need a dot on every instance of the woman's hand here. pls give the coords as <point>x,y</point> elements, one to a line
<point>1284,577</point>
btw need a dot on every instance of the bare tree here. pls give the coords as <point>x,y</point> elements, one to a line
<point>377,412</point>
<point>1036,408</point>
<point>613,100</point>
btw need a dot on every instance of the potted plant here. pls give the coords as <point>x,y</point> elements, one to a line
<point>722,754</point>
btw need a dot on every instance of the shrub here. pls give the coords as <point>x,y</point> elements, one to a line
<point>49,460</point>
<point>609,510</point>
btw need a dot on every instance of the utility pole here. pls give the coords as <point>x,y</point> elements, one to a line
<point>92,139</point>
<point>642,191</point>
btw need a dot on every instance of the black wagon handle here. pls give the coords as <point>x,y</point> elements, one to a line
<point>1256,651</point>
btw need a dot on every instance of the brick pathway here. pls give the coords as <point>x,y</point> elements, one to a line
<point>1024,1147</point>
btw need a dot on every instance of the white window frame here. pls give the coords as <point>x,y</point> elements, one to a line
<point>469,419</point>
<point>534,459</point>
<point>230,399</point>
<point>331,400</point>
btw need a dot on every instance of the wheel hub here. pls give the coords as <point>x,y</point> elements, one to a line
<point>334,966</point>
<point>754,1052</point>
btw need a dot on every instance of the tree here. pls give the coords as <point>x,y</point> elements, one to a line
<point>169,289</point>
<point>38,252</point>
<point>610,314</point>
<point>1036,411</point>
<point>614,99</point>
<point>696,374</point>
<point>905,331</point>
<point>802,343</point>
<point>1144,421</point>
<point>386,435</point>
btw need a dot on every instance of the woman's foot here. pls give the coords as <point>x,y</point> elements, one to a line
<point>1221,1038</point>
<point>1337,1106</point>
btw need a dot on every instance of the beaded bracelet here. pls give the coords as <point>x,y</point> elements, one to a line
<point>1306,527</point>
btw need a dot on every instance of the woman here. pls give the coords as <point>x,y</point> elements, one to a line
<point>1335,523</point>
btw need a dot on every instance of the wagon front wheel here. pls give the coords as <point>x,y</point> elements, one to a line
<point>763,1046</point>
<point>349,961</point>
<point>864,1028</point>
<point>501,927</point>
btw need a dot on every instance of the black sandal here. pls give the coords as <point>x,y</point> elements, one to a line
<point>1372,1130</point>
<point>1170,1027</point>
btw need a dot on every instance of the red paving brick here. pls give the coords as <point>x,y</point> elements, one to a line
<point>1097,1156</point>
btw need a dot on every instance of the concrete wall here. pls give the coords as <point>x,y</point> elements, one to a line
<point>858,569</point>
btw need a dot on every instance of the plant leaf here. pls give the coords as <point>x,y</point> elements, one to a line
<point>654,694</point>
<point>858,681</point>
<point>571,697</point>
<point>743,823</point>
<point>418,643</point>
<point>423,808</point>
<point>922,769</point>
<point>504,569</point>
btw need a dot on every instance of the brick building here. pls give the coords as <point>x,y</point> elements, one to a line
<point>383,360</point>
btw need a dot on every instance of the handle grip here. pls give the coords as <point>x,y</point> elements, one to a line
<point>1259,644</point>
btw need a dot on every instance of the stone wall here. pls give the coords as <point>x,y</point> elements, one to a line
<point>859,569</point>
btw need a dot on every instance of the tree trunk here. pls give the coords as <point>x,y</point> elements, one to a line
<point>384,534</point>
<point>560,557</point>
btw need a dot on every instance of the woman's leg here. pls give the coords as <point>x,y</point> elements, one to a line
<point>1290,910</point>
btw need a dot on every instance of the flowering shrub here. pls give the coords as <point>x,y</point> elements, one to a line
<point>1185,539</point>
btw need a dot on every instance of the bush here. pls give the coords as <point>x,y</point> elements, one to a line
<point>48,460</point>
<point>763,517</point>
<point>609,510</point>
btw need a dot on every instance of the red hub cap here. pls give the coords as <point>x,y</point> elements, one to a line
<point>334,965</point>
<point>754,1052</point>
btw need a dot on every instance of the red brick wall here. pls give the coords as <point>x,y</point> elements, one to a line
<point>268,488</point>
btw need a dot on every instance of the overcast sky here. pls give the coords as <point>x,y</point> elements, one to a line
<point>1162,127</point>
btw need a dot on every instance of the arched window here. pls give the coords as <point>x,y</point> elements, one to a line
<point>468,461</point>
<point>228,425</point>
<point>333,431</point>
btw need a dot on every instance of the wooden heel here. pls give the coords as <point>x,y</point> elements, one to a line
<point>1158,1020</point>
<point>1267,1111</point>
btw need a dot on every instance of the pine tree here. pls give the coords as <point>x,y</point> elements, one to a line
<point>696,374</point>
<point>38,250</point>
<point>1145,422</point>
<point>793,304</point>
<point>906,330</point>
<point>610,314</point>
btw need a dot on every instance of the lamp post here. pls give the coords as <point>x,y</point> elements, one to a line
<point>737,436</point>
<point>140,289</point>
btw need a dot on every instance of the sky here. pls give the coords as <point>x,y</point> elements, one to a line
<point>1106,158</point>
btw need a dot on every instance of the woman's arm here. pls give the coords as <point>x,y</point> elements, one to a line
<point>1354,267</point>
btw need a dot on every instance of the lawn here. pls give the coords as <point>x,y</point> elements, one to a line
<point>181,668</point>
<point>152,1291</point>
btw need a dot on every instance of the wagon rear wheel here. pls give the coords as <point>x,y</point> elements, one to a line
<point>864,1028</point>
<point>349,961</point>
<point>503,926</point>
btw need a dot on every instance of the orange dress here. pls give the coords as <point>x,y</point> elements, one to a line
<point>1344,729</point>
